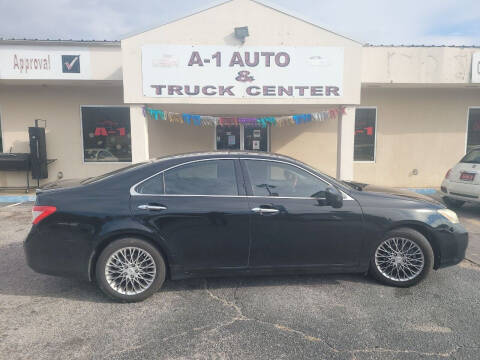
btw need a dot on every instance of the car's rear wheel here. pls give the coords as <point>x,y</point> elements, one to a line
<point>130,270</point>
<point>453,203</point>
<point>402,258</point>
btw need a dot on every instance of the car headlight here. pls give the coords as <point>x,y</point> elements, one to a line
<point>449,215</point>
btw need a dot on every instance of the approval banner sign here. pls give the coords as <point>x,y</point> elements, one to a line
<point>35,62</point>
<point>242,72</point>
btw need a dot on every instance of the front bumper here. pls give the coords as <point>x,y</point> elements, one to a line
<point>452,245</point>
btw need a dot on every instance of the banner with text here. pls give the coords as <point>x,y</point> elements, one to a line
<point>242,72</point>
<point>44,62</point>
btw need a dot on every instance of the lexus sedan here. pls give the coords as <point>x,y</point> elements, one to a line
<point>227,213</point>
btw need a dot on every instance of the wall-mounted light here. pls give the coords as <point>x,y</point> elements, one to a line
<point>241,33</point>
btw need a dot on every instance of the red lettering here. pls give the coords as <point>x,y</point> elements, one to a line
<point>101,132</point>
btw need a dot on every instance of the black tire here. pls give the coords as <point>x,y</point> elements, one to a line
<point>423,245</point>
<point>453,203</point>
<point>158,280</point>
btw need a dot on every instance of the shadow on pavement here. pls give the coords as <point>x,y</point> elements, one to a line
<point>17,279</point>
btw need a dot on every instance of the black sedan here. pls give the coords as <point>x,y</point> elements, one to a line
<point>228,213</point>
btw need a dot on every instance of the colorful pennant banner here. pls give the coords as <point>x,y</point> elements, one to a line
<point>203,120</point>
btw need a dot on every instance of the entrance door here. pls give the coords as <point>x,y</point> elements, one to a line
<point>292,225</point>
<point>255,138</point>
<point>242,137</point>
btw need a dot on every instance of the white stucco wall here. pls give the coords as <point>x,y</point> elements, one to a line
<point>428,66</point>
<point>423,129</point>
<point>60,106</point>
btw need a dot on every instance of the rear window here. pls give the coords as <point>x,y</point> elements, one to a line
<point>103,176</point>
<point>473,157</point>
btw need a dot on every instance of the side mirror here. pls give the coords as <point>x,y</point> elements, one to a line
<point>333,197</point>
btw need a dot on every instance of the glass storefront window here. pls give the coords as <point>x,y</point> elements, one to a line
<point>228,137</point>
<point>255,138</point>
<point>242,137</point>
<point>106,134</point>
<point>473,136</point>
<point>365,129</point>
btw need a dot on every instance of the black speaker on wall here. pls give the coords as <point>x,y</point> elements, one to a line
<point>38,152</point>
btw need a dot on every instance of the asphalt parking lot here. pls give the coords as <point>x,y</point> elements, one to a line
<point>288,317</point>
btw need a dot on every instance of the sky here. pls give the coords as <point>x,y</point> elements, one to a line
<point>427,22</point>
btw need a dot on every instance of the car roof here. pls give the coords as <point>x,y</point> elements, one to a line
<point>218,154</point>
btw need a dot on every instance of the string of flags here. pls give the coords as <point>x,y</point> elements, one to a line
<point>205,120</point>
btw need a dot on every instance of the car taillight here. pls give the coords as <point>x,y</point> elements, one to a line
<point>41,212</point>
<point>447,175</point>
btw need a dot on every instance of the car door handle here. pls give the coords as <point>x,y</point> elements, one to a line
<point>262,211</point>
<point>152,207</point>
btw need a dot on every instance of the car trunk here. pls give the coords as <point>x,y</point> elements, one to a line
<point>61,184</point>
<point>466,173</point>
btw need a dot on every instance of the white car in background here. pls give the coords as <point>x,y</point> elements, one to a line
<point>462,182</point>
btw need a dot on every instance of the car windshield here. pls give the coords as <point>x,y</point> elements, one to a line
<point>473,157</point>
<point>103,176</point>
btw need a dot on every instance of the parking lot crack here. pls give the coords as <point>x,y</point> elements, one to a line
<point>238,310</point>
<point>471,262</point>
<point>240,316</point>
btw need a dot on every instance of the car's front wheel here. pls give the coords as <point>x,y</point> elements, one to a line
<point>402,258</point>
<point>130,270</point>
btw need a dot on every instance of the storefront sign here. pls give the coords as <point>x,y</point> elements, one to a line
<point>242,72</point>
<point>476,67</point>
<point>33,62</point>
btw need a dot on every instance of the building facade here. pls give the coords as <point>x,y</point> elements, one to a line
<point>397,116</point>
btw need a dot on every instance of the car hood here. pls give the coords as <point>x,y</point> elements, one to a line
<point>392,192</point>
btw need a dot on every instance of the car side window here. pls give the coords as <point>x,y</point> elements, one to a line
<point>270,178</point>
<point>152,186</point>
<point>211,177</point>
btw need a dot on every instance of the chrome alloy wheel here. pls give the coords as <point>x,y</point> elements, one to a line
<point>130,270</point>
<point>399,259</point>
